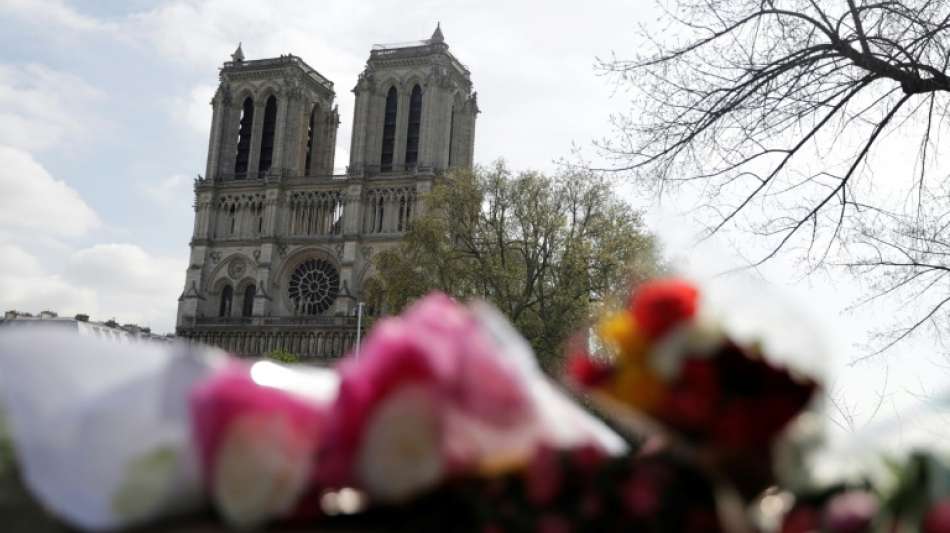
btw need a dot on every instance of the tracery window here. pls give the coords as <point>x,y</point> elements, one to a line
<point>244,138</point>
<point>415,121</point>
<point>313,287</point>
<point>389,131</point>
<point>248,303</point>
<point>267,134</point>
<point>227,296</point>
<point>316,213</point>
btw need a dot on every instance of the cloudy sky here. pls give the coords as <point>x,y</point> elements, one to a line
<point>104,120</point>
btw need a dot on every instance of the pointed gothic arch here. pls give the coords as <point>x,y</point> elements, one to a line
<point>243,149</point>
<point>247,303</point>
<point>311,149</point>
<point>389,130</point>
<point>224,304</point>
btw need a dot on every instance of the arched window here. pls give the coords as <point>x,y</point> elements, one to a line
<point>227,295</point>
<point>415,120</point>
<point>244,138</point>
<point>247,308</point>
<point>389,131</point>
<point>311,144</point>
<point>233,213</point>
<point>452,137</point>
<point>267,134</point>
<point>379,214</point>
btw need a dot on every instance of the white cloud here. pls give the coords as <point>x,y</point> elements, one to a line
<point>104,280</point>
<point>53,13</point>
<point>120,281</point>
<point>130,284</point>
<point>174,191</point>
<point>17,261</point>
<point>32,200</point>
<point>41,108</point>
<point>25,286</point>
<point>194,110</point>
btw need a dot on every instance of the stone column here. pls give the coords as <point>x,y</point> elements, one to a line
<point>425,152</point>
<point>402,126</point>
<point>352,211</point>
<point>227,153</point>
<point>287,105</point>
<point>257,132</point>
<point>328,142</point>
<point>358,135</point>
<point>374,132</point>
<point>218,110</point>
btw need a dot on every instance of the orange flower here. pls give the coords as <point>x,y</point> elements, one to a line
<point>619,331</point>
<point>638,387</point>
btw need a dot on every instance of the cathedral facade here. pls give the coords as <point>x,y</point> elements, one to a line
<point>282,249</point>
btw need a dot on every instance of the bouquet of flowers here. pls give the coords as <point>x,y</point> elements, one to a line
<point>441,393</point>
<point>671,370</point>
<point>444,421</point>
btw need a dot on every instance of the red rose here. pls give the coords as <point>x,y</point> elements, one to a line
<point>693,401</point>
<point>802,519</point>
<point>937,519</point>
<point>543,477</point>
<point>586,371</point>
<point>588,459</point>
<point>660,305</point>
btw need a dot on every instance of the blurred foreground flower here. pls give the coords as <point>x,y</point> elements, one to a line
<point>675,365</point>
<point>101,430</point>
<point>442,390</point>
<point>258,440</point>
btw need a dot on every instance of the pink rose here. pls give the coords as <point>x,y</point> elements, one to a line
<point>439,349</point>
<point>256,443</point>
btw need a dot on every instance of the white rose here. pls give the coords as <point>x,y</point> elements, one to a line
<point>401,452</point>
<point>261,469</point>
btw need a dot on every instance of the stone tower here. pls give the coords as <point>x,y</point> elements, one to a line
<point>392,130</point>
<point>282,247</point>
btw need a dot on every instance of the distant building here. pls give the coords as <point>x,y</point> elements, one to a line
<point>282,246</point>
<point>109,330</point>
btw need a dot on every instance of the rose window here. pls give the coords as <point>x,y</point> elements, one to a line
<point>313,287</point>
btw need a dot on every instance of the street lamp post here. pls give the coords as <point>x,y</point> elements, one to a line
<point>359,315</point>
<point>359,326</point>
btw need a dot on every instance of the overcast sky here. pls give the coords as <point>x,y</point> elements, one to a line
<point>104,119</point>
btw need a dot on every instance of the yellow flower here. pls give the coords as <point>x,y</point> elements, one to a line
<point>620,332</point>
<point>637,386</point>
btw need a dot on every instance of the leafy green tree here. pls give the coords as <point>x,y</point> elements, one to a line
<point>546,250</point>
<point>282,356</point>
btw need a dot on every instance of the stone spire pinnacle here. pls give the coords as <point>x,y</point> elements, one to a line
<point>238,54</point>
<point>437,36</point>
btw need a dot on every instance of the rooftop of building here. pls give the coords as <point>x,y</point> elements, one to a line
<point>434,44</point>
<point>239,64</point>
<point>51,317</point>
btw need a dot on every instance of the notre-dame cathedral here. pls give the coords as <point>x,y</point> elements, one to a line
<point>282,247</point>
